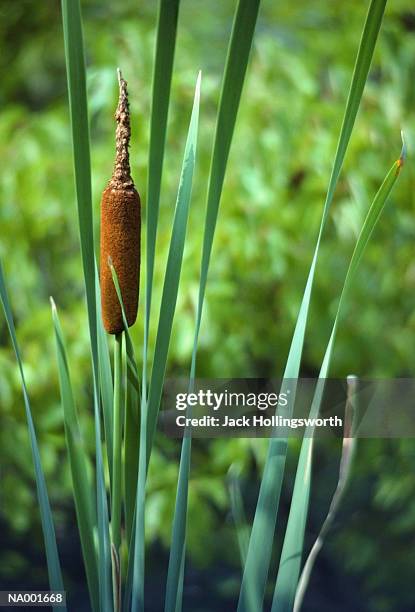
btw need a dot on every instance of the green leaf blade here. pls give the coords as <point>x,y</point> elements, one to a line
<point>261,540</point>
<point>173,270</point>
<point>162,76</point>
<point>346,460</point>
<point>290,562</point>
<point>234,75</point>
<point>149,410</point>
<point>83,490</point>
<point>75,67</point>
<point>105,377</point>
<point>132,429</point>
<point>52,556</point>
<point>76,76</point>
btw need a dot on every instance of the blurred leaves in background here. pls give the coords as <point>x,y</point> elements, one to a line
<point>280,160</point>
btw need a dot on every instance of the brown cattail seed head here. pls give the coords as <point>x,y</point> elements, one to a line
<point>120,229</point>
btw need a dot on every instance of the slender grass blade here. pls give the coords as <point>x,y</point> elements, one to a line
<point>263,529</point>
<point>104,549</point>
<point>52,557</point>
<point>131,439</point>
<point>290,562</point>
<point>75,68</point>
<point>348,451</point>
<point>234,75</point>
<point>132,426</point>
<point>168,303</point>
<point>233,80</point>
<point>238,514</point>
<point>137,507</point>
<point>83,490</point>
<point>173,269</point>
<point>163,66</point>
<point>175,575</point>
<point>105,377</point>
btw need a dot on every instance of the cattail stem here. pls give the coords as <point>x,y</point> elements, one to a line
<point>117,447</point>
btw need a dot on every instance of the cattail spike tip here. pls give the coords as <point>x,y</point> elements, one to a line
<point>120,227</point>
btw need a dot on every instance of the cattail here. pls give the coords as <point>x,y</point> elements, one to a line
<point>120,229</point>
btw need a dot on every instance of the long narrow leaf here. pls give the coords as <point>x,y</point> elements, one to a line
<point>131,438</point>
<point>104,550</point>
<point>261,540</point>
<point>348,451</point>
<point>52,557</point>
<point>175,575</point>
<point>290,561</point>
<point>149,412</point>
<point>132,429</point>
<point>163,66</point>
<point>75,68</point>
<point>132,398</point>
<point>162,75</point>
<point>105,377</point>
<point>132,371</point>
<point>234,75</point>
<point>138,538</point>
<point>173,269</point>
<point>238,514</point>
<point>233,80</point>
<point>82,487</point>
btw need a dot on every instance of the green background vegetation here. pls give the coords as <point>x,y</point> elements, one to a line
<point>277,175</point>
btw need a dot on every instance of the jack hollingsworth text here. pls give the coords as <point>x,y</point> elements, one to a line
<point>257,421</point>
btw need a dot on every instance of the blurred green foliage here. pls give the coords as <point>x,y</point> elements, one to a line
<point>278,171</point>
